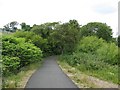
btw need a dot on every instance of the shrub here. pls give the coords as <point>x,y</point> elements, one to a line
<point>89,44</point>
<point>31,37</point>
<point>10,64</point>
<point>28,53</point>
<point>16,48</point>
<point>108,53</point>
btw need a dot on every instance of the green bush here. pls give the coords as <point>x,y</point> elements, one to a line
<point>90,44</point>
<point>14,48</point>
<point>10,64</point>
<point>28,53</point>
<point>108,53</point>
<point>31,37</point>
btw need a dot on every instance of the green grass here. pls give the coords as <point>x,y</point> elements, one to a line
<point>77,76</point>
<point>83,79</point>
<point>108,73</point>
<point>92,67</point>
<point>20,80</point>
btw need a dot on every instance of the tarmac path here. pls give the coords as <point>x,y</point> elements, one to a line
<point>50,75</point>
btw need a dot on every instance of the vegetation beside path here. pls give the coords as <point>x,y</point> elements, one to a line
<point>20,79</point>
<point>90,48</point>
<point>83,79</point>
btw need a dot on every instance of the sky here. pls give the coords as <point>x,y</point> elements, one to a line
<point>42,11</point>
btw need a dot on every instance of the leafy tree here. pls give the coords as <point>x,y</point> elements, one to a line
<point>45,29</point>
<point>11,27</point>
<point>101,30</point>
<point>66,36</point>
<point>25,27</point>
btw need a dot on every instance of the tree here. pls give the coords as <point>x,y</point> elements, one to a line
<point>44,29</point>
<point>101,30</point>
<point>66,36</point>
<point>11,27</point>
<point>25,27</point>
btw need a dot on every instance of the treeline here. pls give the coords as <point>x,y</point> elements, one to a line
<point>31,43</point>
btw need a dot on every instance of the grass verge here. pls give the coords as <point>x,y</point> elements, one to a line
<point>20,80</point>
<point>83,80</point>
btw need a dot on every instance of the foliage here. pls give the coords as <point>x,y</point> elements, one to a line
<point>101,30</point>
<point>10,27</point>
<point>90,47</point>
<point>90,65</point>
<point>108,53</point>
<point>25,27</point>
<point>95,57</point>
<point>19,79</point>
<point>89,44</point>
<point>31,37</point>
<point>66,36</point>
<point>16,48</point>
<point>45,29</point>
<point>10,64</point>
<point>61,38</point>
<point>86,61</point>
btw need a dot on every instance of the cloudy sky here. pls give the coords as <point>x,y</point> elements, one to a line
<point>41,11</point>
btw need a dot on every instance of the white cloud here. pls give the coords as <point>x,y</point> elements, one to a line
<point>41,11</point>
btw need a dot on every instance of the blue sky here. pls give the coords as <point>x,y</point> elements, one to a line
<point>41,11</point>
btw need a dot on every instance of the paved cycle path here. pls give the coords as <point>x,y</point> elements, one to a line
<point>50,75</point>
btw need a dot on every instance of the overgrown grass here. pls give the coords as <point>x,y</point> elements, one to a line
<point>79,78</point>
<point>91,65</point>
<point>19,80</point>
<point>83,80</point>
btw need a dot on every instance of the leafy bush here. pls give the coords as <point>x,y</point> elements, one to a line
<point>19,50</point>
<point>10,64</point>
<point>28,53</point>
<point>108,53</point>
<point>89,44</point>
<point>31,37</point>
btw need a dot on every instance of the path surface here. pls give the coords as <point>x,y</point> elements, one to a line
<point>50,75</point>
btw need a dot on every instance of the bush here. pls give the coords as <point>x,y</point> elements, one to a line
<point>28,53</point>
<point>10,64</point>
<point>31,37</point>
<point>90,44</point>
<point>108,53</point>
<point>19,50</point>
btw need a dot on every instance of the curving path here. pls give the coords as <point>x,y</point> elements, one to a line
<point>50,75</point>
